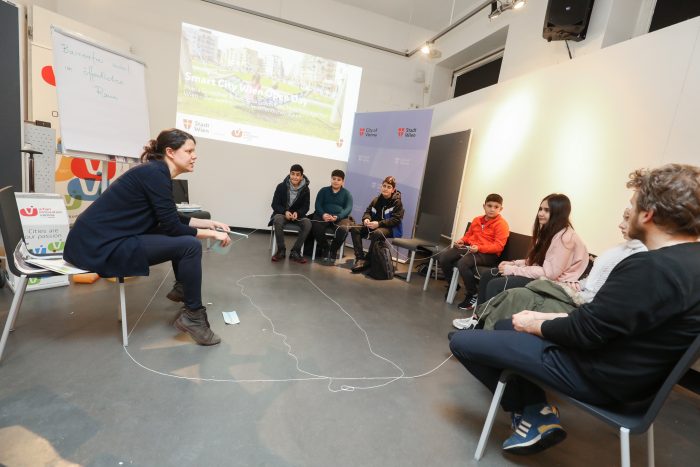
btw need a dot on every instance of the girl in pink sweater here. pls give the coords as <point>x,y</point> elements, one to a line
<point>556,252</point>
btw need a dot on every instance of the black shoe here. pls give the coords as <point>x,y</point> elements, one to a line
<point>177,294</point>
<point>469,302</point>
<point>297,257</point>
<point>196,324</point>
<point>360,265</point>
<point>279,256</point>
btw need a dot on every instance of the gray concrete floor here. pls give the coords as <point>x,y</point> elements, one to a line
<point>71,394</point>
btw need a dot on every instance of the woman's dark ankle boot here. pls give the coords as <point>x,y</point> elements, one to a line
<point>195,323</point>
<point>177,294</point>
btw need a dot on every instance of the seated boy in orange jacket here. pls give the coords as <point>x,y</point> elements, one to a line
<point>481,246</point>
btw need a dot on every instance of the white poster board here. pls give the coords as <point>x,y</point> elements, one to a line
<point>45,226</point>
<point>44,222</point>
<point>101,97</point>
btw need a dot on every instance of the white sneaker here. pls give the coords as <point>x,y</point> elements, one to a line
<point>465,323</point>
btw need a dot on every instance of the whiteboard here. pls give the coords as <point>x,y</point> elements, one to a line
<point>102,103</point>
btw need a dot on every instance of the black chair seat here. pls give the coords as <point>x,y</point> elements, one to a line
<point>427,236</point>
<point>411,244</point>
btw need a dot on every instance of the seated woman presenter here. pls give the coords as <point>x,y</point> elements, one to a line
<point>556,252</point>
<point>135,224</point>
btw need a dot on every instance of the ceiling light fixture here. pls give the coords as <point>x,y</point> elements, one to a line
<point>495,13</point>
<point>499,6</point>
<point>425,50</point>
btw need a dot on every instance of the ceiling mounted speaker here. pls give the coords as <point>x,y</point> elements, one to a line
<point>567,20</point>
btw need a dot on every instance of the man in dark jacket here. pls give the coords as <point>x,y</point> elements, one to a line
<point>290,204</point>
<point>620,347</point>
<point>381,220</point>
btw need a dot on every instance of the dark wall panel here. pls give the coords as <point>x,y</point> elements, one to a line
<point>10,110</point>
<point>443,177</point>
<point>479,78</point>
<point>670,12</point>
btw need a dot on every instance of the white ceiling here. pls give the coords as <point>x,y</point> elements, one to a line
<point>434,15</point>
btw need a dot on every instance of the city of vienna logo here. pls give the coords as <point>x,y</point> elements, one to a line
<point>373,132</point>
<point>362,132</point>
<point>31,211</point>
<point>407,132</point>
<point>187,122</point>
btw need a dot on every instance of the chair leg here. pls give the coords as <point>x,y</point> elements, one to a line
<point>273,243</point>
<point>410,266</point>
<point>452,291</point>
<point>427,275</point>
<point>313,252</point>
<point>122,304</point>
<point>490,418</point>
<point>650,446</point>
<point>624,447</point>
<point>14,310</point>
<point>342,249</point>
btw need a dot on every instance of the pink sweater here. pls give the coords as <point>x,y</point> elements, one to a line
<point>565,261</point>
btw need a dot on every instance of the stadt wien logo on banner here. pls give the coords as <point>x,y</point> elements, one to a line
<point>406,132</point>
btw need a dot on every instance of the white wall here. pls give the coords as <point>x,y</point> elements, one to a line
<point>553,124</point>
<point>579,128</point>
<point>236,182</point>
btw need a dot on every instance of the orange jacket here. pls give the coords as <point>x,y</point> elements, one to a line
<point>490,236</point>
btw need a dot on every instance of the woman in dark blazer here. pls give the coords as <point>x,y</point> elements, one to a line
<point>135,224</point>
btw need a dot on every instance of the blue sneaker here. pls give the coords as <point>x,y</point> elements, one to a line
<point>538,429</point>
<point>515,418</point>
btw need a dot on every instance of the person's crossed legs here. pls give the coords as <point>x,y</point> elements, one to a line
<point>485,354</point>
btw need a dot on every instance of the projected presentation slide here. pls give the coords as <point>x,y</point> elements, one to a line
<point>243,91</point>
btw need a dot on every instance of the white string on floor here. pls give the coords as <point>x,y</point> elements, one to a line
<point>345,380</point>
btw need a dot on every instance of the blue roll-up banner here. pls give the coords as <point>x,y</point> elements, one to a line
<point>389,143</point>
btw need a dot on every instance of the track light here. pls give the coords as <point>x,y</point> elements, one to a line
<point>425,50</point>
<point>499,6</point>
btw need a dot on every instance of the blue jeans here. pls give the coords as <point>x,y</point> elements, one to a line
<point>185,252</point>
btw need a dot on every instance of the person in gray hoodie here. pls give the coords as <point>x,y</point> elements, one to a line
<point>290,204</point>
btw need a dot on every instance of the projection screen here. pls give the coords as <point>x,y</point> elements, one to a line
<point>243,91</point>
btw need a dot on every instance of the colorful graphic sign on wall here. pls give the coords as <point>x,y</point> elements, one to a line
<point>79,181</point>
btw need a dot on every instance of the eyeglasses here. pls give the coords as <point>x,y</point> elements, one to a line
<point>386,185</point>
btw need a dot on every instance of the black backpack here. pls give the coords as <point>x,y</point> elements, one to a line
<point>381,266</point>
